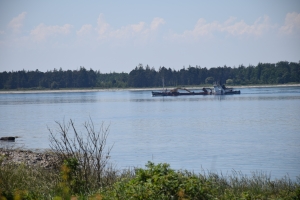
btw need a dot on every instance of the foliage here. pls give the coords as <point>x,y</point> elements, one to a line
<point>264,73</point>
<point>209,80</point>
<point>156,181</point>
<point>161,182</point>
<point>115,80</point>
<point>55,79</point>
<point>84,157</point>
<point>229,81</point>
<point>19,181</point>
<point>70,183</point>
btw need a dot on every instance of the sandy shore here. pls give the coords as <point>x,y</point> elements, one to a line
<point>133,89</point>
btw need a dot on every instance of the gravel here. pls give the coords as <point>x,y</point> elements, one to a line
<point>43,159</point>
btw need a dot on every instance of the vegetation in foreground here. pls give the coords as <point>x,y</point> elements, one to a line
<point>156,181</point>
<point>79,174</point>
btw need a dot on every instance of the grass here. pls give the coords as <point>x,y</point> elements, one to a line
<point>30,183</point>
<point>155,181</point>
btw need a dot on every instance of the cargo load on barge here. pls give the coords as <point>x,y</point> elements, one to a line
<point>175,92</point>
<point>217,90</point>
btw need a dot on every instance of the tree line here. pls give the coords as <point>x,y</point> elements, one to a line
<point>144,76</point>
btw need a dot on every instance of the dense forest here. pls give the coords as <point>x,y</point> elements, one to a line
<point>144,76</point>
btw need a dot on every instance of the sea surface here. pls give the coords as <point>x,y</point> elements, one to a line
<point>256,131</point>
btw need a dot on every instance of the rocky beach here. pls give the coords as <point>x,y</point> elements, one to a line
<point>27,157</point>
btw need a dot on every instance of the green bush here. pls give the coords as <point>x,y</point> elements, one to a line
<point>156,181</point>
<point>160,182</point>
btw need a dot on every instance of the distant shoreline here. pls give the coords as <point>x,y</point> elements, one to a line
<point>129,89</point>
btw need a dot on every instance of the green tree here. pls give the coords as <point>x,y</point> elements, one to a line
<point>209,80</point>
<point>229,81</point>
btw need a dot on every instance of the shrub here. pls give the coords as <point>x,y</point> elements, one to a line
<point>84,155</point>
<point>159,182</point>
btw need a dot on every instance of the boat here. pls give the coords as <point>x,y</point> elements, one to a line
<point>218,90</point>
<point>223,90</point>
<point>175,92</point>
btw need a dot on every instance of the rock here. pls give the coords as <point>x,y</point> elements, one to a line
<point>38,158</point>
<point>10,139</point>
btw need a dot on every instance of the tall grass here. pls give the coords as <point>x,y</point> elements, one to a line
<point>30,183</point>
<point>156,181</point>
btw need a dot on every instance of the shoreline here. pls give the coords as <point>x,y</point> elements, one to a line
<point>132,89</point>
<point>44,159</point>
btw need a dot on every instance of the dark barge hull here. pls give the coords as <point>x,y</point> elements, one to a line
<point>233,92</point>
<point>191,94</point>
<point>178,93</point>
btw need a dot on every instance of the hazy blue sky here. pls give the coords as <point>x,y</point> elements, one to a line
<point>118,35</point>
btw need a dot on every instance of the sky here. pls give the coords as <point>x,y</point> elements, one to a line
<point>117,36</point>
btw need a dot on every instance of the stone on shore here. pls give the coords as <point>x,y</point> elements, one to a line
<point>10,139</point>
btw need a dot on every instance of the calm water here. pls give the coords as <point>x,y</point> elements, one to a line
<point>258,130</point>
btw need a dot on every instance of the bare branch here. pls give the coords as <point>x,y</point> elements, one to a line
<point>88,148</point>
